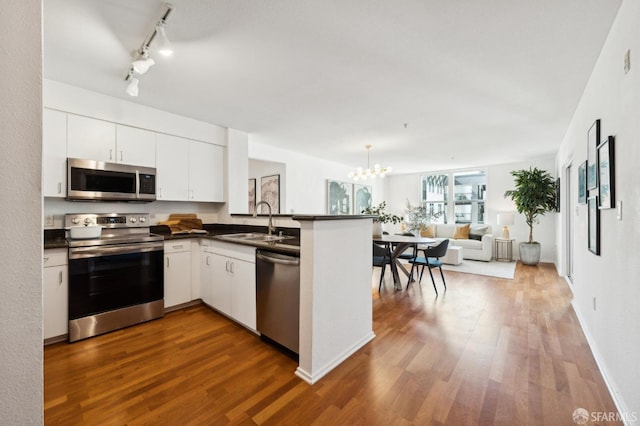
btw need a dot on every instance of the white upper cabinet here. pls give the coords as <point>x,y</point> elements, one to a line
<point>206,173</point>
<point>54,153</point>
<point>91,139</point>
<point>135,146</point>
<point>172,168</point>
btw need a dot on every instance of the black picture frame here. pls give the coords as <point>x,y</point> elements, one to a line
<point>606,173</point>
<point>582,183</point>
<point>593,234</point>
<point>558,195</point>
<point>593,140</point>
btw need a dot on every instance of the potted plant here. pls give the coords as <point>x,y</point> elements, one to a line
<point>383,217</point>
<point>535,195</point>
<point>418,217</point>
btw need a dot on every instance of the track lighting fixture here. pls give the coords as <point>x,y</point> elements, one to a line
<point>143,62</point>
<point>132,87</point>
<point>164,45</point>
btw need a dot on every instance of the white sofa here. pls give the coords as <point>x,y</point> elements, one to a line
<point>471,248</point>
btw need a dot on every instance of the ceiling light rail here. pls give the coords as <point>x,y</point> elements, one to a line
<point>143,62</point>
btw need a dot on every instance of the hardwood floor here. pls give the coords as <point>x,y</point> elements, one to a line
<point>488,351</point>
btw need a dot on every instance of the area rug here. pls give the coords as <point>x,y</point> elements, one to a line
<point>491,269</point>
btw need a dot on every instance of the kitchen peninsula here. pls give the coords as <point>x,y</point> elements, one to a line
<point>336,309</point>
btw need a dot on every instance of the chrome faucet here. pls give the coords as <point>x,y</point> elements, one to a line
<point>271,228</point>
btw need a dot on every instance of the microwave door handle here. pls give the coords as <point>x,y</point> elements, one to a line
<point>137,184</point>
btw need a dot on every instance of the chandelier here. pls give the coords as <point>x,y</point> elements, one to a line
<point>369,173</point>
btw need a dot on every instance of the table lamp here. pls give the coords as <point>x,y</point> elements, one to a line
<point>505,219</point>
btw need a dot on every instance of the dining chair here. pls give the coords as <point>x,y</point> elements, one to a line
<point>414,248</point>
<point>381,258</point>
<point>431,260</point>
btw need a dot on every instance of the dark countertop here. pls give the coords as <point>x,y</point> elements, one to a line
<point>289,246</point>
<point>55,238</point>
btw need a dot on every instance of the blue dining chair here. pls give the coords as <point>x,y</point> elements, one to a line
<point>431,259</point>
<point>381,258</point>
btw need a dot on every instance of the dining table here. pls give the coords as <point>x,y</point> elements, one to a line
<point>400,243</point>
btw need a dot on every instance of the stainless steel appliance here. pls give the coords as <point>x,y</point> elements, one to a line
<point>97,180</point>
<point>116,280</point>
<point>278,298</point>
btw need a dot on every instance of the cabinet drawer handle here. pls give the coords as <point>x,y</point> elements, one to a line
<point>59,277</point>
<point>120,155</point>
<point>179,246</point>
<point>59,187</point>
<point>46,259</point>
<point>208,261</point>
<point>110,154</point>
<point>231,267</point>
<point>167,261</point>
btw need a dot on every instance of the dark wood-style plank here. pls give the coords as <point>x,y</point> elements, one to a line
<point>488,351</point>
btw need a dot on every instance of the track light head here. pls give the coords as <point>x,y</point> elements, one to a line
<point>132,87</point>
<point>143,63</point>
<point>164,45</point>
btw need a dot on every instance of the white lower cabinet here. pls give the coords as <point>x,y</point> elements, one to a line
<point>177,272</point>
<point>55,288</point>
<point>229,280</point>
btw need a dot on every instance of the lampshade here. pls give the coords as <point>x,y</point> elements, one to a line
<point>143,64</point>
<point>505,218</point>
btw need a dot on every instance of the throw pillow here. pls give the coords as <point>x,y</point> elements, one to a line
<point>477,232</point>
<point>462,232</point>
<point>428,231</point>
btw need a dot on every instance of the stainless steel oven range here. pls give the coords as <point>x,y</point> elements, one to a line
<point>116,280</point>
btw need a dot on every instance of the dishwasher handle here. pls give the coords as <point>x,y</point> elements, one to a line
<point>282,259</point>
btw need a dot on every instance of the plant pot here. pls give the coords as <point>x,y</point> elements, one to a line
<point>377,228</point>
<point>530,253</point>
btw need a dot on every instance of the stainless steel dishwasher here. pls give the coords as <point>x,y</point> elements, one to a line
<point>278,298</point>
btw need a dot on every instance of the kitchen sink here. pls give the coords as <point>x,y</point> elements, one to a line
<point>255,236</point>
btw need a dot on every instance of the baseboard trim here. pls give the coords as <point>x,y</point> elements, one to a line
<point>609,382</point>
<point>312,378</point>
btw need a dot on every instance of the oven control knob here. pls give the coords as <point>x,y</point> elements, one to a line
<point>75,221</point>
<point>142,220</point>
<point>133,220</point>
<point>87,221</point>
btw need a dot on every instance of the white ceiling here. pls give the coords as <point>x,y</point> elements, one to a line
<point>478,82</point>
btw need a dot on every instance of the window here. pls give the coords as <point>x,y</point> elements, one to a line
<point>467,203</point>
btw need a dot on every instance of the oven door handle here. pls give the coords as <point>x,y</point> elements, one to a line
<point>88,252</point>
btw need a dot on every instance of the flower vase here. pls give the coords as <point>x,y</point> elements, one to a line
<point>377,228</point>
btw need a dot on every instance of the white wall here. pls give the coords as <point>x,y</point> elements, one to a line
<point>400,188</point>
<point>306,178</point>
<point>79,101</point>
<point>613,327</point>
<point>21,201</point>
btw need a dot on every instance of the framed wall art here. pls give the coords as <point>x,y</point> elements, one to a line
<point>593,139</point>
<point>606,174</point>
<point>270,192</point>
<point>594,225</point>
<point>557,194</point>
<point>582,183</point>
<point>339,195</point>
<point>252,196</point>
<point>361,198</point>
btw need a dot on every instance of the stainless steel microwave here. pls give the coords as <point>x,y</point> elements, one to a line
<point>97,180</point>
